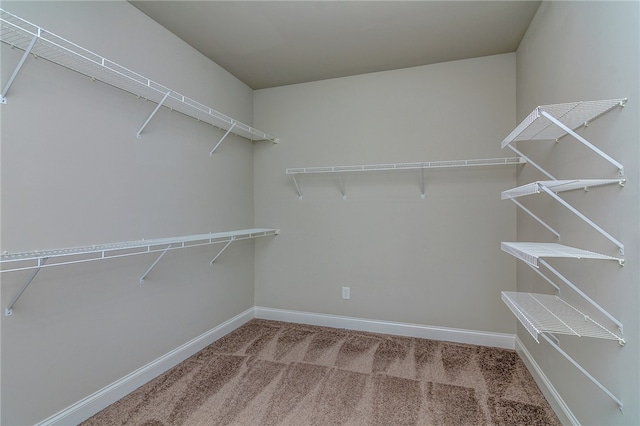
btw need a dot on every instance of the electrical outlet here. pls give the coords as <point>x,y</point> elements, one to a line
<point>346,293</point>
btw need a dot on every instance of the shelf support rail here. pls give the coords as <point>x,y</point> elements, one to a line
<point>528,160</point>
<point>9,309</point>
<point>583,371</point>
<point>154,263</point>
<point>533,215</point>
<point>588,299</point>
<point>233,124</point>
<point>584,141</point>
<point>584,218</point>
<point>138,135</point>
<point>3,95</point>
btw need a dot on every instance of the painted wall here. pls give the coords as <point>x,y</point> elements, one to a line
<point>74,174</point>
<point>587,51</point>
<point>433,261</point>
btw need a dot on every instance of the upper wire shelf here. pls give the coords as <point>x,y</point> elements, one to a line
<point>26,36</point>
<point>407,166</point>
<point>422,166</point>
<point>531,252</point>
<point>572,115</point>
<point>544,313</point>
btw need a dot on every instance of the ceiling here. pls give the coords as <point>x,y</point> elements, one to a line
<point>275,43</point>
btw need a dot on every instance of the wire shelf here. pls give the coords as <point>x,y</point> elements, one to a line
<point>573,115</point>
<point>19,33</point>
<point>128,248</point>
<point>407,166</point>
<point>558,186</point>
<point>531,252</point>
<point>543,313</point>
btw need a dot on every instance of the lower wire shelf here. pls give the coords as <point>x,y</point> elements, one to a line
<point>36,260</point>
<point>544,313</point>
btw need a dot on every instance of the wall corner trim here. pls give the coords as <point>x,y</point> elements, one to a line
<point>92,404</point>
<point>549,391</point>
<point>473,337</point>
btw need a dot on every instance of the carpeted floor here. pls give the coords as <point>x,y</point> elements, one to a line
<point>275,373</point>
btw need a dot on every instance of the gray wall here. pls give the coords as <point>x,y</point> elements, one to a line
<point>433,261</point>
<point>587,51</point>
<point>73,173</point>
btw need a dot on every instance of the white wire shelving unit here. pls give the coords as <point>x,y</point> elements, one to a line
<point>32,39</point>
<point>541,314</point>
<point>38,259</point>
<point>552,122</point>
<point>422,166</point>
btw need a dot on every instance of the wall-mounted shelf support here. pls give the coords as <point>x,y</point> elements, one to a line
<point>343,170</point>
<point>534,216</point>
<point>221,139</point>
<point>543,314</point>
<point>534,164</point>
<point>222,251</point>
<point>138,135</point>
<point>9,309</point>
<point>544,277</point>
<point>585,372</point>
<point>116,250</point>
<point>343,187</point>
<point>25,55</point>
<point>154,263</point>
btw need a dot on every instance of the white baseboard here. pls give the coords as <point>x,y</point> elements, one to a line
<point>106,396</point>
<point>549,391</point>
<point>499,340</point>
<point>92,404</point>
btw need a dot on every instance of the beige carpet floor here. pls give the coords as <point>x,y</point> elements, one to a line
<point>275,373</point>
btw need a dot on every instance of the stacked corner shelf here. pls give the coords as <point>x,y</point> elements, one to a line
<point>543,314</point>
<point>38,259</point>
<point>32,39</point>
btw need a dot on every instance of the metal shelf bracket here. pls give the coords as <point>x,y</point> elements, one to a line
<point>222,138</point>
<point>584,141</point>
<point>9,309</point>
<point>154,263</point>
<point>585,219</point>
<point>3,95</point>
<point>223,249</point>
<point>343,187</point>
<point>138,135</point>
